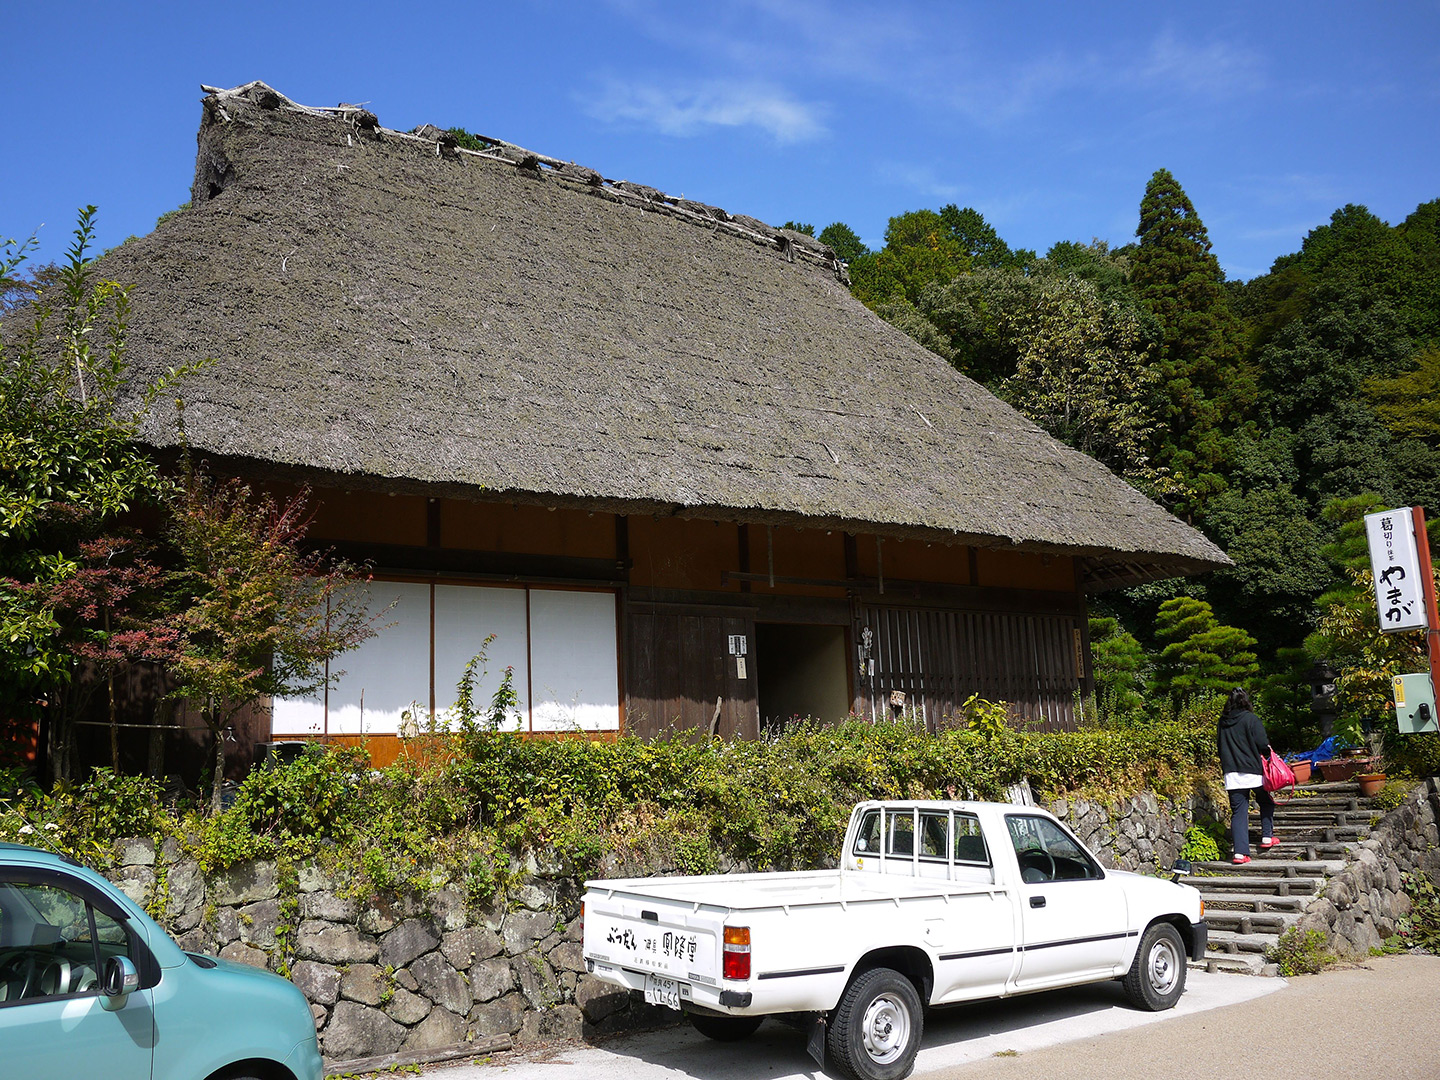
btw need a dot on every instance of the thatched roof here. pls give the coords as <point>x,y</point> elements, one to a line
<point>388,309</point>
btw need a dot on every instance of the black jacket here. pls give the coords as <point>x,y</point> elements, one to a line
<point>1242,742</point>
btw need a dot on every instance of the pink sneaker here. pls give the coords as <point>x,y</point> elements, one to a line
<point>1266,843</point>
<point>1240,860</point>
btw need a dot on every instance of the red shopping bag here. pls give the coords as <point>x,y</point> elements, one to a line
<point>1278,775</point>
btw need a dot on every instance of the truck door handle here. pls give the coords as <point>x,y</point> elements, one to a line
<point>650,916</point>
<point>1037,901</point>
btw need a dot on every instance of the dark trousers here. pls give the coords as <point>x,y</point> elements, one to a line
<point>1240,816</point>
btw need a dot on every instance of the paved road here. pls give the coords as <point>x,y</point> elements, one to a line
<point>956,1040</point>
<point>1376,1022</point>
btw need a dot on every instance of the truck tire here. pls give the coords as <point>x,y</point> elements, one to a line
<point>1156,979</point>
<point>874,1033</point>
<point>724,1028</point>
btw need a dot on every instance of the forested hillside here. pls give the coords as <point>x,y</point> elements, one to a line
<point>1271,413</point>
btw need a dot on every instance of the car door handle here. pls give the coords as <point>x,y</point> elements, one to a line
<point>1037,901</point>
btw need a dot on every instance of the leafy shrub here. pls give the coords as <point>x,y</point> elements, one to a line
<point>1300,952</point>
<point>1202,842</point>
<point>1421,927</point>
<point>463,810</point>
<point>1394,793</point>
<point>1417,755</point>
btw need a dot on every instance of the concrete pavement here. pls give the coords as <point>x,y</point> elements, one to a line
<point>1380,1021</point>
<point>958,1039</point>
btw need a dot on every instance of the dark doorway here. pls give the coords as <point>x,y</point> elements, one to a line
<point>800,671</point>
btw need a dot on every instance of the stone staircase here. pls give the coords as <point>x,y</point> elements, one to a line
<point>1249,907</point>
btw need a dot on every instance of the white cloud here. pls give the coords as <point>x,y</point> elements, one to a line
<point>1209,69</point>
<point>921,178</point>
<point>688,110</point>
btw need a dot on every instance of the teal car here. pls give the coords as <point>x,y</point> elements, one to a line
<point>91,986</point>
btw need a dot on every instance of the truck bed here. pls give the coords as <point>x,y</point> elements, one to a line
<point>785,890</point>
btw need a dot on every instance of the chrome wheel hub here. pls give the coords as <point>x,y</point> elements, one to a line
<point>1164,967</point>
<point>886,1029</point>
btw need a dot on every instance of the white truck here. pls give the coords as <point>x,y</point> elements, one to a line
<point>934,903</point>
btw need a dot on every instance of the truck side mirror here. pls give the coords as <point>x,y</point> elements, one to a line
<point>119,980</point>
<point>1181,869</point>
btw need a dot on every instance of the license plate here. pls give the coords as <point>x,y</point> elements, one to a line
<point>660,991</point>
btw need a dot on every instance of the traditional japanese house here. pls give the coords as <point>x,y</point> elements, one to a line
<point>654,448</point>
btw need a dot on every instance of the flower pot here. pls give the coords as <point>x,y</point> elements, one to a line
<point>1370,784</point>
<point>1301,769</point>
<point>1337,769</point>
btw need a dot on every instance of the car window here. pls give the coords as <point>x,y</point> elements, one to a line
<point>52,943</point>
<point>867,837</point>
<point>934,833</point>
<point>1046,852</point>
<point>970,841</point>
<point>900,834</point>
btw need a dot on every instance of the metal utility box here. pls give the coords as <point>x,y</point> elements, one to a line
<point>1414,703</point>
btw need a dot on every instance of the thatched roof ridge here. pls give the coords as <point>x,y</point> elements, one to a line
<point>388,309</point>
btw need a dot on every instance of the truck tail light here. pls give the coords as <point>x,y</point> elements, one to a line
<point>737,952</point>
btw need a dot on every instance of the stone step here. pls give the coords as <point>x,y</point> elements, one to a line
<point>1231,942</point>
<point>1319,819</point>
<point>1266,864</point>
<point>1313,850</point>
<point>1251,922</point>
<point>1243,963</point>
<point>1257,902</point>
<point>1254,883</point>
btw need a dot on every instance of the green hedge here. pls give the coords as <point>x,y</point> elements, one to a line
<point>471,809</point>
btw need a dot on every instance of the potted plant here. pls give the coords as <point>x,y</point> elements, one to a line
<point>1370,783</point>
<point>1301,769</point>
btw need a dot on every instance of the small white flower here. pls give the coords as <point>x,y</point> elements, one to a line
<point>26,830</point>
<point>52,826</point>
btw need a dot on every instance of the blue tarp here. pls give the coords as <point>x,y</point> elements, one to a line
<point>1328,749</point>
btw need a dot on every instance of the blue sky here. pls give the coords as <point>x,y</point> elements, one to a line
<point>1047,117</point>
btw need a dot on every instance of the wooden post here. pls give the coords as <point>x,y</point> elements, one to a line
<point>1427,578</point>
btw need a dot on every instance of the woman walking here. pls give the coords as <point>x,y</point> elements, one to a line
<point>1243,746</point>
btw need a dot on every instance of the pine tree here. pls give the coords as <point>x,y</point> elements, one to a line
<point>1179,281</point>
<point>1199,653</point>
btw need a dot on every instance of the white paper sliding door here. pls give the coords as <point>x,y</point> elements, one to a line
<point>384,676</point>
<point>574,666</point>
<point>560,645</point>
<point>465,615</point>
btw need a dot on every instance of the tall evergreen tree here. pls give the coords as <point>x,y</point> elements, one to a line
<point>1179,281</point>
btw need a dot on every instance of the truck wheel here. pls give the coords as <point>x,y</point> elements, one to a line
<point>875,1030</point>
<point>724,1028</point>
<point>1156,979</point>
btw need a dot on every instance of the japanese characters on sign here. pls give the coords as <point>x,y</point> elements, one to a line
<point>666,946</point>
<point>1399,592</point>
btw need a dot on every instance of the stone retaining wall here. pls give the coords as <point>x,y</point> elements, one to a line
<point>396,974</point>
<point>1360,905</point>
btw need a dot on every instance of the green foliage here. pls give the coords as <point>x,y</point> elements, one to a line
<point>459,813</point>
<point>256,615</point>
<point>1120,666</point>
<point>82,819</point>
<point>1393,794</point>
<point>1413,755</point>
<point>1198,653</point>
<point>800,227</point>
<point>843,241</point>
<point>1082,371</point>
<point>1301,952</point>
<point>1202,842</point>
<point>1179,281</point>
<point>1348,631</point>
<point>1421,927</point>
<point>68,463</point>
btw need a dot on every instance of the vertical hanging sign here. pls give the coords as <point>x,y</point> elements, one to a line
<point>1395,562</point>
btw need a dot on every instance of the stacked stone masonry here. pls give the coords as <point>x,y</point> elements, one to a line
<point>398,974</point>
<point>1360,905</point>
